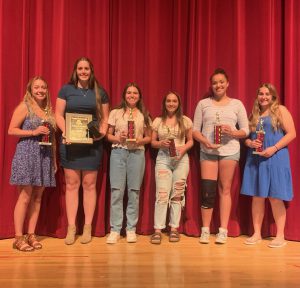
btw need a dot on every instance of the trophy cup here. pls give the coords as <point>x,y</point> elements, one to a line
<point>131,128</point>
<point>260,135</point>
<point>172,148</point>
<point>46,137</point>
<point>218,131</point>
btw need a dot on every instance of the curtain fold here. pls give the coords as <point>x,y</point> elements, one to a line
<point>161,45</point>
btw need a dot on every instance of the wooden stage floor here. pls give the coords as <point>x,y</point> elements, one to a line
<point>184,264</point>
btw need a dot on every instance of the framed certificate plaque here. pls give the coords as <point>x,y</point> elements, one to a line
<point>76,128</point>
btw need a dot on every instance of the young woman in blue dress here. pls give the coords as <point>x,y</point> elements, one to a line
<point>82,95</point>
<point>33,166</point>
<point>267,173</point>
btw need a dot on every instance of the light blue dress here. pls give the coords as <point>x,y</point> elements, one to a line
<point>268,177</point>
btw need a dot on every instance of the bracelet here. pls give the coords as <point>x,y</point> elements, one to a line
<point>276,147</point>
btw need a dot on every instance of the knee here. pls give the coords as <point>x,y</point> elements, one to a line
<point>179,188</point>
<point>208,193</point>
<point>275,201</point>
<point>37,198</point>
<point>224,190</point>
<point>89,185</point>
<point>72,184</point>
<point>24,198</point>
<point>162,197</point>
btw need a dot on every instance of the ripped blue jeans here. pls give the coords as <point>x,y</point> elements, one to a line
<point>170,177</point>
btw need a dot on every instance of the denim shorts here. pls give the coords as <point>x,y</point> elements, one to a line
<point>213,157</point>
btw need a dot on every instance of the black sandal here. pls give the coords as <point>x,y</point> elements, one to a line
<point>174,236</point>
<point>156,238</point>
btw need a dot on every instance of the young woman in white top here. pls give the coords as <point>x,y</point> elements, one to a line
<point>127,160</point>
<point>218,162</point>
<point>170,172</point>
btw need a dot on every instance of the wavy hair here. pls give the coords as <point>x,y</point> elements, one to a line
<point>274,112</point>
<point>93,83</point>
<point>140,104</point>
<point>178,113</point>
<point>47,107</point>
<point>29,99</point>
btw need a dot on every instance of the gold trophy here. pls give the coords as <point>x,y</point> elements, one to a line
<point>218,130</point>
<point>260,135</point>
<point>131,128</point>
<point>172,147</point>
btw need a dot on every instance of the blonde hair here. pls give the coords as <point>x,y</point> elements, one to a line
<point>274,112</point>
<point>30,101</point>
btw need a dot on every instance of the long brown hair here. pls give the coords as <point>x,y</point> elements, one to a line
<point>274,112</point>
<point>93,83</point>
<point>140,104</point>
<point>178,113</point>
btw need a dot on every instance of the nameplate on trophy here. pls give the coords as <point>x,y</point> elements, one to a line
<point>77,128</point>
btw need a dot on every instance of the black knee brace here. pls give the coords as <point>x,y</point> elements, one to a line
<point>208,193</point>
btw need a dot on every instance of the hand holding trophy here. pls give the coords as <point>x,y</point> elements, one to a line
<point>218,131</point>
<point>46,138</point>
<point>172,148</point>
<point>131,128</point>
<point>260,135</point>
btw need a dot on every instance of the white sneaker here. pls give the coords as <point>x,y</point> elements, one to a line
<point>221,236</point>
<point>113,237</point>
<point>131,236</point>
<point>204,238</point>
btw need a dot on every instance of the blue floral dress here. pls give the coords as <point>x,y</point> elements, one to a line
<point>32,163</point>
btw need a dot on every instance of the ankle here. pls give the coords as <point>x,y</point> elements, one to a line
<point>223,230</point>
<point>205,229</point>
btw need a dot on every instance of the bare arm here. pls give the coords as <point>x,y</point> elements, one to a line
<point>290,133</point>
<point>17,120</point>
<point>288,127</point>
<point>188,144</point>
<point>113,138</point>
<point>198,136</point>
<point>60,114</point>
<point>104,120</point>
<point>155,143</point>
<point>146,139</point>
<point>189,140</point>
<point>226,129</point>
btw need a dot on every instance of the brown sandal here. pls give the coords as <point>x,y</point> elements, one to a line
<point>174,236</point>
<point>155,238</point>
<point>21,244</point>
<point>33,242</point>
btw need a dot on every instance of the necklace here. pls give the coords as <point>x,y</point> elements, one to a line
<point>84,94</point>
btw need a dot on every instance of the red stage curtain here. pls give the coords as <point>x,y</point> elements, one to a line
<point>162,45</point>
